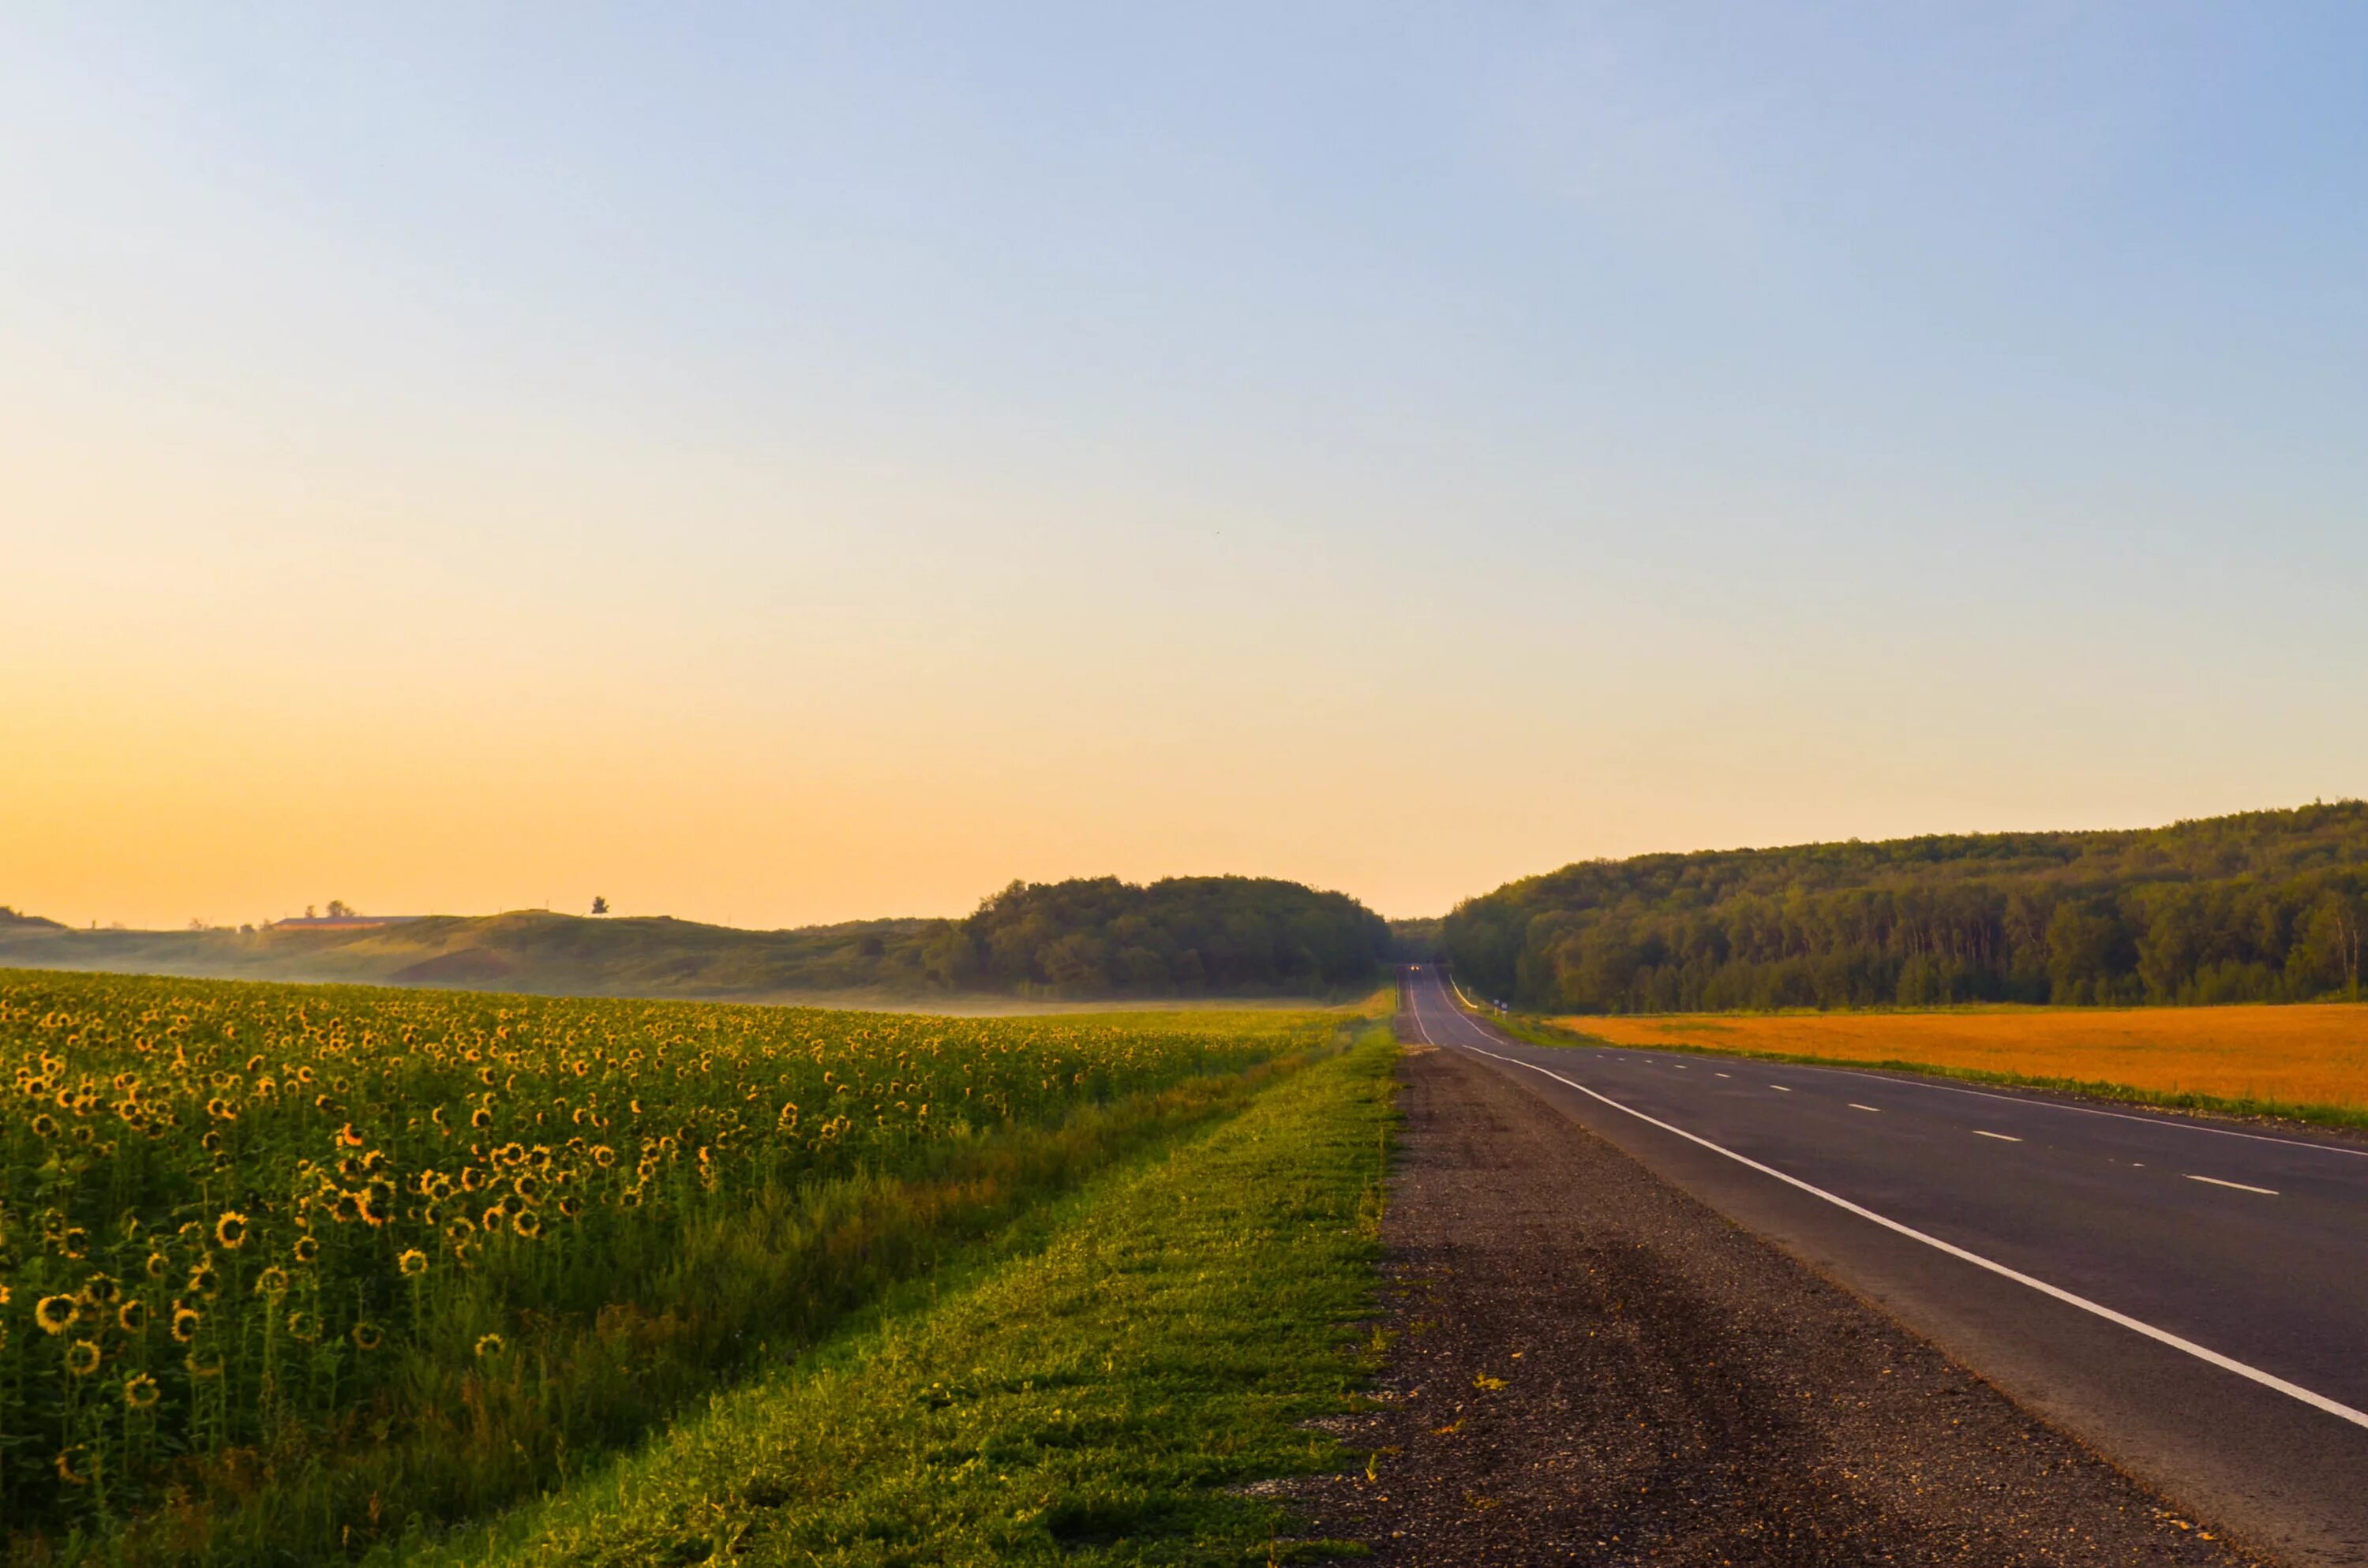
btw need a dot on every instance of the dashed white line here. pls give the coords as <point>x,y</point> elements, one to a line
<point>1855,1105</point>
<point>2002,1137</point>
<point>1780,1088</point>
<point>2202,1353</point>
<point>1727,1074</point>
<point>2241,1186</point>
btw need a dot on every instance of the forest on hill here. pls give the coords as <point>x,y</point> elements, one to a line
<point>1229,935</point>
<point>1088,938</point>
<point>2263,906</point>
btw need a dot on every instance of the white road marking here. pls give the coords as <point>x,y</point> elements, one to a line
<point>2002,1137</point>
<point>2241,1186</point>
<point>1780,1088</point>
<point>1917,1081</point>
<point>2202,1353</point>
<point>1727,1074</point>
<point>1855,1105</point>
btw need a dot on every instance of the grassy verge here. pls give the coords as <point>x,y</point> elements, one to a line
<point>2352,1118</point>
<point>1091,1402</point>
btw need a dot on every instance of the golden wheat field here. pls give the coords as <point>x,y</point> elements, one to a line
<point>2314,1054</point>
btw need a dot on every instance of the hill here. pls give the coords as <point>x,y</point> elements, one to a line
<point>2264,906</point>
<point>1088,938</point>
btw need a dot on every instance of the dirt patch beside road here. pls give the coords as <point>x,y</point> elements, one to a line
<point>1589,1366</point>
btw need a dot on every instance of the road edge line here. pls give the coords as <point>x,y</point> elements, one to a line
<point>2161,1335</point>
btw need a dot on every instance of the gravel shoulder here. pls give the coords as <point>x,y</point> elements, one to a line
<point>1587,1365</point>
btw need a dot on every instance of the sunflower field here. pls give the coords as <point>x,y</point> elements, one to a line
<point>317,1266</point>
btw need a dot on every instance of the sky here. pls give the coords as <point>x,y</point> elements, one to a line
<point>772,464</point>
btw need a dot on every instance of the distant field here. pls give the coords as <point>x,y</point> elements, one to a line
<point>2313,1055</point>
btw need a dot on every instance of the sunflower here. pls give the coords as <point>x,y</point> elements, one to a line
<point>304,1326</point>
<point>413,1263</point>
<point>158,1264</point>
<point>603,1155</point>
<point>45,1126</point>
<point>66,1469</point>
<point>349,1139</point>
<point>480,1117</point>
<point>185,1323</point>
<point>230,1231</point>
<point>82,1357</point>
<point>198,1368</point>
<point>307,1248</point>
<point>367,1335</point>
<point>56,1314</point>
<point>204,1281</point>
<point>528,1223</point>
<point>140,1391</point>
<point>348,1209</point>
<point>101,1290</point>
<point>133,1316</point>
<point>495,1218</point>
<point>272,1283</point>
<point>490,1345</point>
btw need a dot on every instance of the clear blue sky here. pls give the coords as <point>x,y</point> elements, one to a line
<point>778,464</point>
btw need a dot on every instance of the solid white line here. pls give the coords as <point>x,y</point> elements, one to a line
<point>1414,1006</point>
<point>1855,1105</point>
<point>2213,1357</point>
<point>2002,1137</point>
<point>2241,1186</point>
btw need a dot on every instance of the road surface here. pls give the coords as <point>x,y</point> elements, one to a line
<point>2188,1297</point>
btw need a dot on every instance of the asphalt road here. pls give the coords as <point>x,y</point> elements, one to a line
<point>2188,1297</point>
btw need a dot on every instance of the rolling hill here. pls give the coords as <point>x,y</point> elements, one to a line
<point>1083,939</point>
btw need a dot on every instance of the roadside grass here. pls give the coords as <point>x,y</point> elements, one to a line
<point>2016,1045</point>
<point>1098,1401</point>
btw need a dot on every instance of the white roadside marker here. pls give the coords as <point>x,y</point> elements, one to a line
<point>2264,1191</point>
<point>2002,1137</point>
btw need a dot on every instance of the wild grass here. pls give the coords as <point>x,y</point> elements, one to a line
<point>2306,1062</point>
<point>1100,1401</point>
<point>289,1271</point>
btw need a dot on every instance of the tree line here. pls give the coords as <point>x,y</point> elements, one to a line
<point>1180,936</point>
<point>2265,907</point>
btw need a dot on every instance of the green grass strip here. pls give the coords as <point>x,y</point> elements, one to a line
<point>1095,1402</point>
<point>2351,1117</point>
